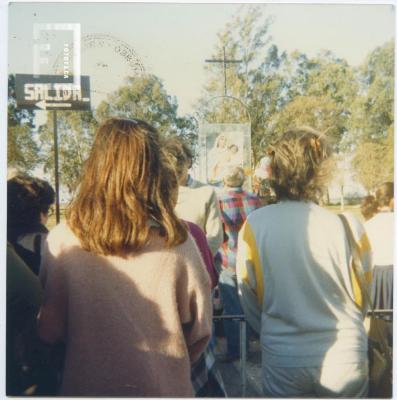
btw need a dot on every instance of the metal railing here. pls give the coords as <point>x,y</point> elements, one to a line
<point>243,347</point>
<point>243,338</point>
<point>381,312</point>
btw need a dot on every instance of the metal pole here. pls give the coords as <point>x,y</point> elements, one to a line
<point>224,69</point>
<point>342,198</point>
<point>243,359</point>
<point>57,213</point>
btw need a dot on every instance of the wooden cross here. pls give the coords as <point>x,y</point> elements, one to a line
<point>224,61</point>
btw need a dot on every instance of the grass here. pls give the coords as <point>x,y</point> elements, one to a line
<point>348,208</point>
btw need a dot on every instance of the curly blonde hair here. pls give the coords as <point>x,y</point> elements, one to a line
<point>300,165</point>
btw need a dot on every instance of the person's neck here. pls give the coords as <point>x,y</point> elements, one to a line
<point>184,180</point>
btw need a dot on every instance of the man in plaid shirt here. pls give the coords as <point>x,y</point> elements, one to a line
<point>235,204</point>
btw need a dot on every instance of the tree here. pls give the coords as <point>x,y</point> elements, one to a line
<point>246,37</point>
<point>373,164</point>
<point>272,83</point>
<point>374,108</point>
<point>145,97</point>
<point>372,125</point>
<point>333,79</point>
<point>315,111</point>
<point>22,149</point>
<point>75,135</point>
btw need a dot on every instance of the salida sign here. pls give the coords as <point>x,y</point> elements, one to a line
<point>52,92</point>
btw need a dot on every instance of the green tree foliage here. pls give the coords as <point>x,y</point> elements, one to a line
<point>22,149</point>
<point>315,111</point>
<point>334,80</point>
<point>353,106</point>
<point>245,38</point>
<point>279,90</point>
<point>373,123</point>
<point>374,106</point>
<point>373,165</point>
<point>146,98</point>
<point>321,91</point>
<point>378,74</point>
<point>75,134</point>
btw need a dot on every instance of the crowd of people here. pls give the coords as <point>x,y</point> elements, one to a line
<point>117,299</point>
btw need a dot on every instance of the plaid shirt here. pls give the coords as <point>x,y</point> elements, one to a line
<point>235,205</point>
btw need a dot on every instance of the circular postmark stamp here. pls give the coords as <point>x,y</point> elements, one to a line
<point>107,61</point>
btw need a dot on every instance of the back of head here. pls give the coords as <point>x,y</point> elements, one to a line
<point>300,165</point>
<point>385,194</point>
<point>178,154</point>
<point>234,177</point>
<point>27,198</point>
<point>124,186</point>
<point>369,207</point>
<point>187,151</point>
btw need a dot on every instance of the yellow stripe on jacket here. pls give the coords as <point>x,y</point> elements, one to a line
<point>364,252</point>
<point>249,277</point>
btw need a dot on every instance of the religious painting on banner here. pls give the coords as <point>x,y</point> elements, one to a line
<point>223,146</point>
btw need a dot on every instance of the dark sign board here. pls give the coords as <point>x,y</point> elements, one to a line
<point>52,92</point>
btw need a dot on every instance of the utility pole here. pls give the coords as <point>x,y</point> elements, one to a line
<point>56,162</point>
<point>224,61</point>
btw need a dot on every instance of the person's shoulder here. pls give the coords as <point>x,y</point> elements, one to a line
<point>256,217</point>
<point>371,222</point>
<point>225,194</point>
<point>60,230</point>
<point>266,210</point>
<point>202,191</point>
<point>379,220</point>
<point>324,211</point>
<point>187,257</point>
<point>251,195</point>
<point>195,184</point>
<point>61,237</point>
<point>186,248</point>
<point>323,216</point>
<point>357,227</point>
<point>195,230</point>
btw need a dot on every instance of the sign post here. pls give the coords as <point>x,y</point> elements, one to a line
<point>56,164</point>
<point>52,92</point>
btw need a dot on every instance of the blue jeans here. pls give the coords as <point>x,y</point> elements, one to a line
<point>231,306</point>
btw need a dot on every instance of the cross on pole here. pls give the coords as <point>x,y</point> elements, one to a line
<point>224,61</point>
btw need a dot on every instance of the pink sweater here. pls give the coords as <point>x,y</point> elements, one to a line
<point>131,326</point>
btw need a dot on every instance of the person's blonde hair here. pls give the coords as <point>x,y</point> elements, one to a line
<point>234,176</point>
<point>369,207</point>
<point>385,194</point>
<point>124,186</point>
<point>300,165</point>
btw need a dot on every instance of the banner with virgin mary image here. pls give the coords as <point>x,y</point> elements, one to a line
<point>222,146</point>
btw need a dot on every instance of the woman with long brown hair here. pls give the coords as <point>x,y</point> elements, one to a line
<point>124,285</point>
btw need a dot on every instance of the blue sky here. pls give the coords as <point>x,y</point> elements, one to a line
<point>173,40</point>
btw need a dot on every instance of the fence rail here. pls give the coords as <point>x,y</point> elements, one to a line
<point>243,337</point>
<point>243,347</point>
